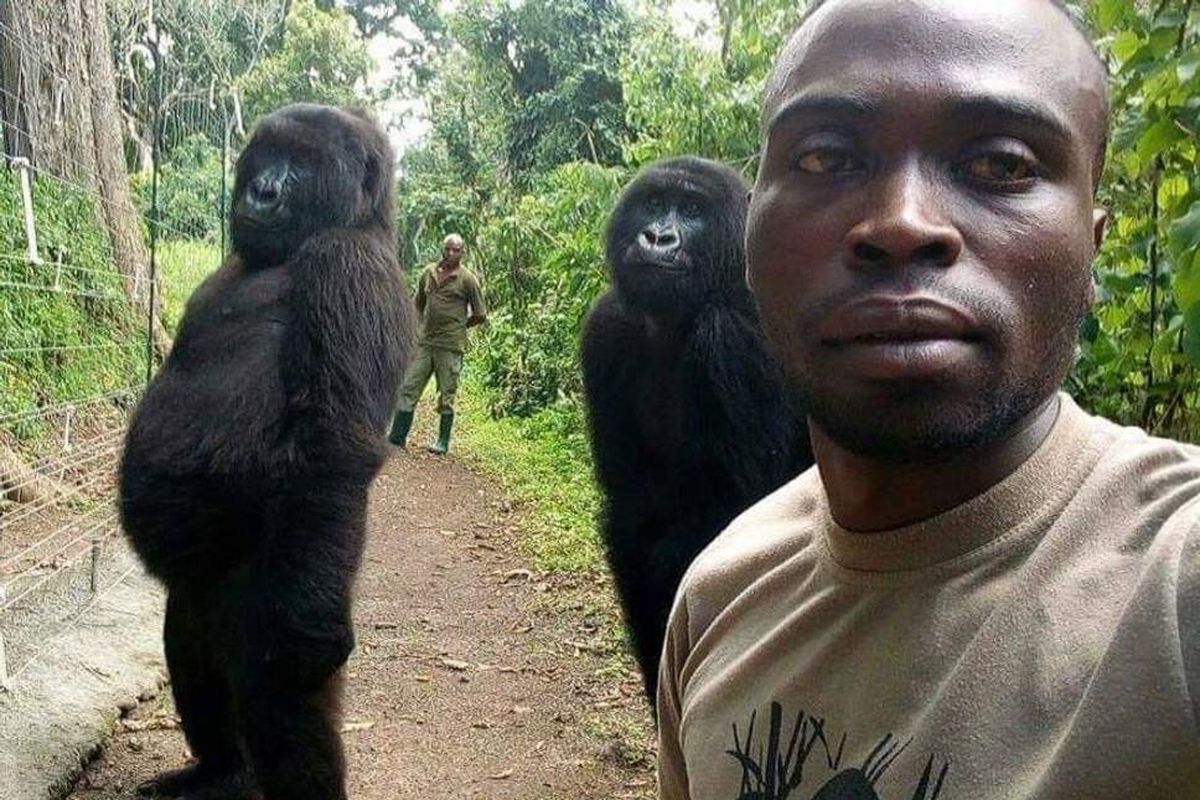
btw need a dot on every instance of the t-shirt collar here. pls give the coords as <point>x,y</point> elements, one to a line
<point>1014,502</point>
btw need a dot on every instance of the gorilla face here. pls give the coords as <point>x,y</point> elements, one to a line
<point>306,169</point>
<point>676,234</point>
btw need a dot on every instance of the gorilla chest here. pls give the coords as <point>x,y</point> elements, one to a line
<point>237,321</point>
<point>670,401</point>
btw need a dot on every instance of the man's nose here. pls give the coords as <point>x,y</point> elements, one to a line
<point>904,224</point>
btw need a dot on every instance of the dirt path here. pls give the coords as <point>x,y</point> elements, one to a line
<point>473,677</point>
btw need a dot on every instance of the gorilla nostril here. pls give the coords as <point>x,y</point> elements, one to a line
<point>265,192</point>
<point>665,240</point>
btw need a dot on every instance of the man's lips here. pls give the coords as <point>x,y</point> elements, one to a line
<point>896,319</point>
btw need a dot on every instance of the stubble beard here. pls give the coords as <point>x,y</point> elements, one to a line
<point>929,421</point>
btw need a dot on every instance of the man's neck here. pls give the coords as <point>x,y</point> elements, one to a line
<point>867,494</point>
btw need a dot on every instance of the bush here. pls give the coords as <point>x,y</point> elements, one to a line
<point>190,200</point>
<point>544,264</point>
<point>68,329</point>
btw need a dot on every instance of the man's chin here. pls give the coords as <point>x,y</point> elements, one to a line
<point>919,428</point>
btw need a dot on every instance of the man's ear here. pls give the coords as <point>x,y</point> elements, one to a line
<point>1099,225</point>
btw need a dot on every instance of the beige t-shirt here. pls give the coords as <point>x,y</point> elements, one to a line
<point>1039,641</point>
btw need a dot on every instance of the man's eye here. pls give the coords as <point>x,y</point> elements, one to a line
<point>827,161</point>
<point>1001,168</point>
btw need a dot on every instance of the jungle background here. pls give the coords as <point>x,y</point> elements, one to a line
<point>518,123</point>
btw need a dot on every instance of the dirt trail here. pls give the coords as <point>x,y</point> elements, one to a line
<point>473,677</point>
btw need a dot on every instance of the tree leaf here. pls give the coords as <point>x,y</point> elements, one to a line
<point>1158,138</point>
<point>1125,44</point>
<point>1191,335</point>
<point>1184,235</point>
<point>1187,67</point>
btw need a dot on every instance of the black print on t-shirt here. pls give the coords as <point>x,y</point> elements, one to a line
<point>775,770</point>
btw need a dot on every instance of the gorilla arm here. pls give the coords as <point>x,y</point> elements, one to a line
<point>347,344</point>
<point>758,437</point>
<point>342,357</point>
<point>611,344</point>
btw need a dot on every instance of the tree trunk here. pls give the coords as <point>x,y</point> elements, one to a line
<point>61,112</point>
<point>13,125</point>
<point>119,212</point>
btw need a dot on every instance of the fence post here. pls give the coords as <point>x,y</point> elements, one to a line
<point>4,686</point>
<point>155,155</point>
<point>23,166</point>
<point>221,210</point>
<point>70,416</point>
<point>97,548</point>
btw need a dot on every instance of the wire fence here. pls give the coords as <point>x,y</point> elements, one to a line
<point>77,340</point>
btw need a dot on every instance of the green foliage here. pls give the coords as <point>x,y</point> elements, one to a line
<point>551,69</point>
<point>190,200</point>
<point>544,262</point>
<point>1142,347</point>
<point>320,61</point>
<point>684,98</point>
<point>680,100</point>
<point>68,328</point>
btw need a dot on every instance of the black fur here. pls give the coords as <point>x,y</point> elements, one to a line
<point>246,466</point>
<point>689,421</point>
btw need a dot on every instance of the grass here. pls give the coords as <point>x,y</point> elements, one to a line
<point>542,462</point>
<point>66,327</point>
<point>183,264</point>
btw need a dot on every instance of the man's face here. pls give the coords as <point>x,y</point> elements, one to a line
<point>452,253</point>
<point>922,226</point>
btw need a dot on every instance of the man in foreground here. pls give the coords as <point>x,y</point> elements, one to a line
<point>449,301</point>
<point>981,591</point>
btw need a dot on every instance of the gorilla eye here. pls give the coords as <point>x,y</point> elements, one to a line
<point>691,208</point>
<point>828,161</point>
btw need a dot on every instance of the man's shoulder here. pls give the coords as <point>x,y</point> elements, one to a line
<point>1152,470</point>
<point>786,524</point>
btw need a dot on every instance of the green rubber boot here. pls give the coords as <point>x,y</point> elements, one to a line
<point>443,443</point>
<point>400,425</point>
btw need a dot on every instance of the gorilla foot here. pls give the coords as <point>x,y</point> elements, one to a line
<point>194,782</point>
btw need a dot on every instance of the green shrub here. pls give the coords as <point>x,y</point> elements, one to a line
<point>544,266</point>
<point>190,199</point>
<point>67,328</point>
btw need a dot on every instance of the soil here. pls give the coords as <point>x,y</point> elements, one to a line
<point>474,675</point>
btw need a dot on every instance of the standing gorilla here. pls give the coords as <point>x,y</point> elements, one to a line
<point>689,422</point>
<point>246,467</point>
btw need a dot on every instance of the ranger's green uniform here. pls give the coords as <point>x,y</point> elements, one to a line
<point>446,308</point>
